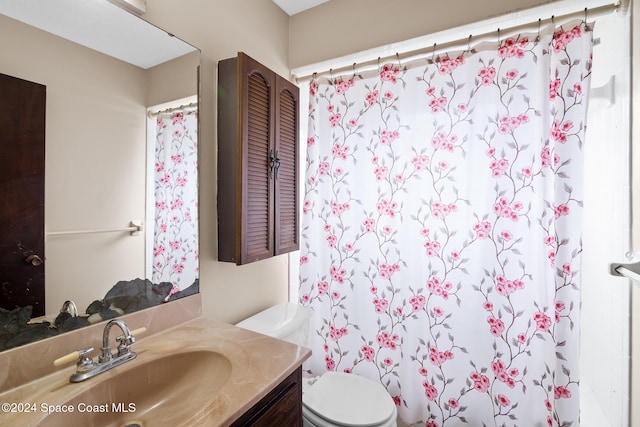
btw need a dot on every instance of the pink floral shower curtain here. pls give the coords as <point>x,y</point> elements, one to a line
<point>441,230</point>
<point>175,247</point>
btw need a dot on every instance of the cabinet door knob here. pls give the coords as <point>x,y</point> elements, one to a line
<point>34,260</point>
<point>277,164</point>
<point>272,163</point>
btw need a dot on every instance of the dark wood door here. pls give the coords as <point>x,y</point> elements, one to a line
<point>258,161</point>
<point>22,151</point>
<point>286,180</point>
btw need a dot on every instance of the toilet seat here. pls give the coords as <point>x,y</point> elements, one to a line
<point>340,399</point>
<point>335,399</point>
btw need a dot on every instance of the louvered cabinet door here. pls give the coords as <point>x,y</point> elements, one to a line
<point>256,233</point>
<point>286,180</point>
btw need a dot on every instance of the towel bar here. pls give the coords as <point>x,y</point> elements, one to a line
<point>134,228</point>
<point>630,270</point>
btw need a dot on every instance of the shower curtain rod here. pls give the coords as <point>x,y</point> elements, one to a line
<point>172,109</point>
<point>463,43</point>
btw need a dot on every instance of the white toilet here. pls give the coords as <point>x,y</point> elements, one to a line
<point>334,399</point>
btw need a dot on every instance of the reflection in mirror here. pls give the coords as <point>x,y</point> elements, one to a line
<point>100,192</point>
<point>172,195</point>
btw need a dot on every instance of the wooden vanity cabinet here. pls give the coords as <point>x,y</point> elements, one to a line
<point>257,162</point>
<point>282,406</point>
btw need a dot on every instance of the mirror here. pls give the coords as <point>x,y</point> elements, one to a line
<point>102,71</point>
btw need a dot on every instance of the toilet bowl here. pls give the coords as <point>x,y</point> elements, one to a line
<point>334,399</point>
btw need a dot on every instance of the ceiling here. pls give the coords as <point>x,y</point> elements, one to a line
<point>101,26</point>
<point>296,6</point>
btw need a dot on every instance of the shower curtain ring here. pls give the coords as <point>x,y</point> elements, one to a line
<point>433,53</point>
<point>539,24</point>
<point>398,58</point>
<point>586,24</point>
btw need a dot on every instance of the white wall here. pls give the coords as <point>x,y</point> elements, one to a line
<point>635,326</point>
<point>605,320</point>
<point>342,27</point>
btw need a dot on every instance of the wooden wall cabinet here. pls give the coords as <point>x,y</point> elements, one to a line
<point>257,162</point>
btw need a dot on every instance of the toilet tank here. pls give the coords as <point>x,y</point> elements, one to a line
<point>285,321</point>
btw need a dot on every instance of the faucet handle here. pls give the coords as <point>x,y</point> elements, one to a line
<point>132,334</point>
<point>128,339</point>
<point>82,357</point>
<point>131,338</point>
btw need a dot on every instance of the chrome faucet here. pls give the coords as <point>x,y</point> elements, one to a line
<point>125,340</point>
<point>69,307</point>
<point>87,368</point>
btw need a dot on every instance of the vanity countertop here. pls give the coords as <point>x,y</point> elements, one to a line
<point>257,364</point>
